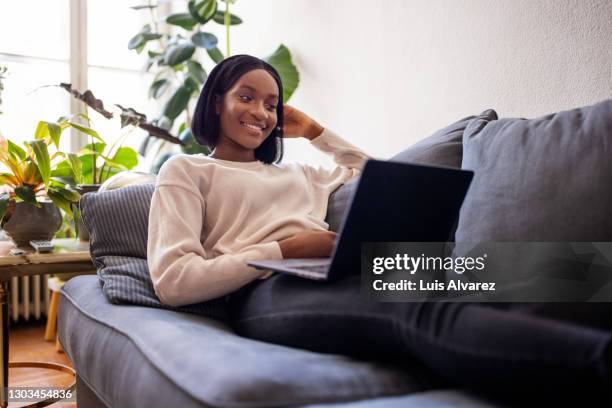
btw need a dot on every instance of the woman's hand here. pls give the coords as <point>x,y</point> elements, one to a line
<point>298,124</point>
<point>308,244</point>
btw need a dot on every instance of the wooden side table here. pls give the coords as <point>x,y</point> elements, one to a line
<point>70,255</point>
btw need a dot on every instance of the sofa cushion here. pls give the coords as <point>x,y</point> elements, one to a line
<point>181,360</point>
<point>443,148</point>
<point>118,222</point>
<point>543,179</point>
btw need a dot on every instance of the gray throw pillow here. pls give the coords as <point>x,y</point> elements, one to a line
<point>443,148</point>
<point>543,179</point>
<point>118,222</point>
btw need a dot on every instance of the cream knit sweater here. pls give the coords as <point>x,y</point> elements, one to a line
<point>209,217</point>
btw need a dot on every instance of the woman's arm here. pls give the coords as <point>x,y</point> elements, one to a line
<point>349,158</point>
<point>178,265</point>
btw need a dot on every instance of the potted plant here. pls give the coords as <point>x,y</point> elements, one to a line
<point>97,162</point>
<point>29,210</point>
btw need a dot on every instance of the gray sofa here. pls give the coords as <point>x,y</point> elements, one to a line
<point>131,351</point>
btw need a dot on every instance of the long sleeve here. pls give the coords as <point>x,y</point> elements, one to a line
<point>178,264</point>
<point>349,158</point>
<point>210,217</point>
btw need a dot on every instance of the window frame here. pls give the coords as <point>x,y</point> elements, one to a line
<point>77,61</point>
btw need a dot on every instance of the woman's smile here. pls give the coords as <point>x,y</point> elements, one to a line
<point>254,127</point>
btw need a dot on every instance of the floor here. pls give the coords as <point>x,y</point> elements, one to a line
<point>26,343</point>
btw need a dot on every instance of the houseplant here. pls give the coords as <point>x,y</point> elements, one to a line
<point>30,208</point>
<point>177,45</point>
<point>97,162</point>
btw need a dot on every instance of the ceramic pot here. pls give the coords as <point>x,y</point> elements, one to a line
<point>28,222</point>
<point>82,189</point>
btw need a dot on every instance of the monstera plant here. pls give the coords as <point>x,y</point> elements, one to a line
<point>177,45</point>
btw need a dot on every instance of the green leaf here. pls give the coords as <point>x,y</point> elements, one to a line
<point>151,36</point>
<point>68,193</point>
<point>184,20</point>
<point>136,42</point>
<point>4,203</point>
<point>42,130</point>
<point>41,153</point>
<point>76,215</point>
<point>196,71</point>
<point>192,84</point>
<point>177,53</point>
<point>76,167</point>
<point>215,54</point>
<point>202,11</point>
<point>62,170</point>
<point>55,131</point>
<point>178,102</point>
<point>126,156</point>
<point>86,130</point>
<point>17,152</point>
<point>204,40</point>
<point>158,88</point>
<point>26,193</point>
<point>281,60</point>
<point>219,17</point>
<point>51,129</point>
<point>190,145</point>
<point>112,165</point>
<point>59,200</point>
<point>97,147</point>
<point>87,165</point>
<point>141,39</point>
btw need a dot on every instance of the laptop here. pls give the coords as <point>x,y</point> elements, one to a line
<point>393,202</point>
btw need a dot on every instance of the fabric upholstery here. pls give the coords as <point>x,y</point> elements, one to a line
<point>161,358</point>
<point>543,179</point>
<point>118,222</point>
<point>443,148</point>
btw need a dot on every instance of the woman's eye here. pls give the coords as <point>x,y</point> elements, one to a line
<point>245,98</point>
<point>271,108</point>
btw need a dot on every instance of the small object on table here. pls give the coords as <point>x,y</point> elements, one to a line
<point>17,251</point>
<point>42,246</point>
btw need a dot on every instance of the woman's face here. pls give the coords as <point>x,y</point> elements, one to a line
<point>248,111</point>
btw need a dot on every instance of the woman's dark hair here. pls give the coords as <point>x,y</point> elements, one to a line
<point>205,125</point>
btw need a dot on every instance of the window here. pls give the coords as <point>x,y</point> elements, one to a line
<point>83,42</point>
<point>37,53</point>
<point>115,74</point>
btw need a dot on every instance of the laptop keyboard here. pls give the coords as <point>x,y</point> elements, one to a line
<point>313,268</point>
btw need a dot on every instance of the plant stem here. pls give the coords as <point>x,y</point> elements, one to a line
<point>227,29</point>
<point>95,159</point>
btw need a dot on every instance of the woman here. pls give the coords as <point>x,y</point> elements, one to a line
<point>210,215</point>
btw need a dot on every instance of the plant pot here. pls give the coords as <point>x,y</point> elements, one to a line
<point>28,222</point>
<point>82,189</point>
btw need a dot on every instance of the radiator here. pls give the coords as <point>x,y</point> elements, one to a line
<point>29,298</point>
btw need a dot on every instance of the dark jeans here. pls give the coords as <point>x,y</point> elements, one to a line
<point>500,348</point>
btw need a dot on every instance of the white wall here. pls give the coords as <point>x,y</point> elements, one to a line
<point>386,73</point>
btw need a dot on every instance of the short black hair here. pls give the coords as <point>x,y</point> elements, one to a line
<point>205,124</point>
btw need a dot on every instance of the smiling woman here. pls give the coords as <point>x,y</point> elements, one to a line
<point>240,203</point>
<point>248,116</point>
<point>238,113</point>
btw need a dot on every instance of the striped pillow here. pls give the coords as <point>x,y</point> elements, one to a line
<point>118,222</point>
